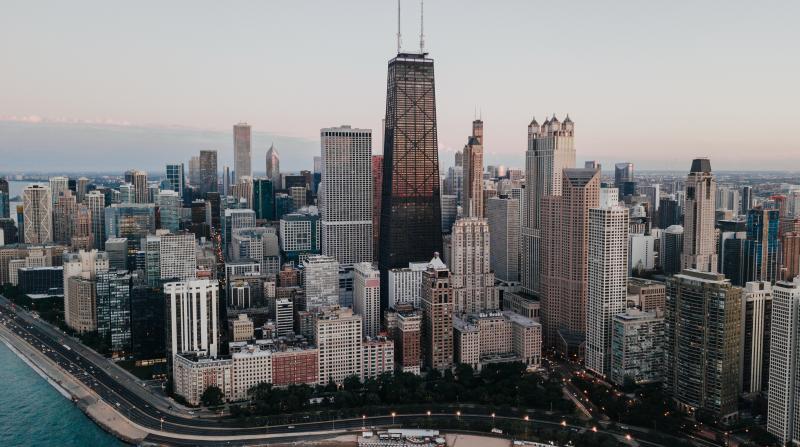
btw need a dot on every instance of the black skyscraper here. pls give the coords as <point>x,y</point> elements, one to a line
<point>410,207</point>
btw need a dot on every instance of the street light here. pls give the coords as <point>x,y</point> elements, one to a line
<point>393,415</point>
<point>363,421</point>
<point>563,423</point>
<point>162,424</point>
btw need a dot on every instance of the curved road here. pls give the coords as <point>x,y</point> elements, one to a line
<point>169,426</point>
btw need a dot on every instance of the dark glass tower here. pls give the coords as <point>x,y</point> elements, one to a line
<point>410,207</point>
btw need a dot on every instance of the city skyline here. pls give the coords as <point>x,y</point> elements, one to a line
<point>644,86</point>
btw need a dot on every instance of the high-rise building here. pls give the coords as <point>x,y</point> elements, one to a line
<point>699,240</point>
<point>672,249</point>
<point>58,185</point>
<point>338,338</point>
<point>207,172</point>
<point>473,172</point>
<point>783,392</point>
<point>551,149</point>
<point>410,202</point>
<point>114,309</point>
<point>347,194</point>
<point>367,297</point>
<point>437,316</point>
<point>565,251</point>
<point>130,220</point>
<point>300,235</point>
<point>64,213</point>
<point>623,172</point>
<point>274,166</point>
<point>81,188</point>
<point>175,178</point>
<point>668,212</point>
<point>80,270</point>
<point>236,219</point>
<point>790,247</point>
<point>321,281</point>
<point>756,328</point>
<point>504,226</point>
<point>241,152</point>
<point>637,347</point>
<point>284,315</point>
<point>746,200</point>
<point>703,318</point>
<point>471,276</point>
<point>82,238</point>
<point>264,199</point>
<point>608,282</point>
<point>5,199</point>
<point>95,201</point>
<point>377,188</point>
<point>37,206</point>
<point>194,171</point>
<point>178,258</point>
<point>761,259</point>
<point>138,181</point>
<point>169,210</point>
<point>193,317</point>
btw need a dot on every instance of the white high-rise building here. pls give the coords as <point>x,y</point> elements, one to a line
<point>284,315</point>
<point>80,312</point>
<point>367,297</point>
<point>472,279</point>
<point>699,236</point>
<point>37,209</point>
<point>235,219</point>
<point>783,398</point>
<point>338,338</point>
<point>96,202</point>
<point>321,281</point>
<point>57,186</point>
<point>347,199</point>
<point>503,217</point>
<point>608,281</point>
<point>405,285</point>
<point>241,151</point>
<point>178,256</point>
<point>193,321</point>
<point>551,148</point>
<point>756,320</point>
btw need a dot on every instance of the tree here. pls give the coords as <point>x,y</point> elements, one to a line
<point>212,396</point>
<point>352,383</point>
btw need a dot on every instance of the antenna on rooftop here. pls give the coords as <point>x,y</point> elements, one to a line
<point>398,27</point>
<point>422,26</point>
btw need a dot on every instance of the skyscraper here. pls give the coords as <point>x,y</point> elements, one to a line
<point>471,276</point>
<point>347,194</point>
<point>410,202</point>
<point>746,199</point>
<point>64,213</point>
<point>193,317</point>
<point>138,180</point>
<point>437,316</point>
<point>194,171</point>
<point>207,171</point>
<point>367,297</point>
<point>321,281</point>
<point>38,218</point>
<point>114,309</point>
<point>503,217</point>
<point>756,329</point>
<point>241,152</point>
<point>623,172</point>
<point>783,399</point>
<point>5,199</point>
<point>565,251</point>
<point>551,149</point>
<point>699,241</point>
<point>377,186</point>
<point>761,259</point>
<point>95,201</point>
<point>264,199</point>
<point>176,178</point>
<point>608,281</point>
<point>703,318</point>
<point>274,166</point>
<point>57,185</point>
<point>473,172</point>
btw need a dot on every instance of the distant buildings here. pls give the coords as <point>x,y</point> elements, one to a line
<point>241,152</point>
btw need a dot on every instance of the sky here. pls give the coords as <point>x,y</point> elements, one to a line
<point>118,85</point>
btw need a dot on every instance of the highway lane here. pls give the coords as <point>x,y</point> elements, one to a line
<point>131,405</point>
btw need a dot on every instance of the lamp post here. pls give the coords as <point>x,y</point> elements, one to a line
<point>393,415</point>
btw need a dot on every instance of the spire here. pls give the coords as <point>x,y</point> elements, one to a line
<point>421,26</point>
<point>398,27</point>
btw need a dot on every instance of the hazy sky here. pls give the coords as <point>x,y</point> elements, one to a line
<point>655,83</point>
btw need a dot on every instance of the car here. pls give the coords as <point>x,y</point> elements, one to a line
<point>291,427</point>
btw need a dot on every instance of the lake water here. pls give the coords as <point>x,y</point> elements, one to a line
<point>33,413</point>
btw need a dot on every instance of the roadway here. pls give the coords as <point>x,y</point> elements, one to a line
<point>143,408</point>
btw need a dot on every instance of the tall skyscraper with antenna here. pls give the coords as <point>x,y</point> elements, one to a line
<point>410,202</point>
